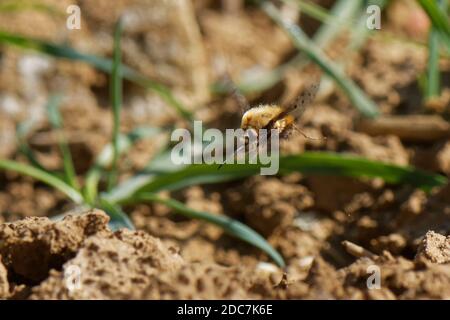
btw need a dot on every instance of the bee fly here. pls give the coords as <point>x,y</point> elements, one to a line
<point>273,116</point>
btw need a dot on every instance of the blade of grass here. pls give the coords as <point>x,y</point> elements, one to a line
<point>358,37</point>
<point>301,41</point>
<point>163,91</point>
<point>432,88</point>
<point>100,63</point>
<point>75,211</point>
<point>55,120</point>
<point>18,6</point>
<point>21,133</point>
<point>340,17</point>
<point>42,176</point>
<point>437,16</point>
<point>231,226</point>
<point>116,100</point>
<point>159,165</point>
<point>316,11</point>
<point>118,218</point>
<point>360,31</point>
<point>104,159</point>
<point>312,163</point>
<point>343,11</point>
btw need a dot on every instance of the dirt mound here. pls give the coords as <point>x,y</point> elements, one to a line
<point>31,247</point>
<point>36,253</point>
<point>434,248</point>
<point>202,281</point>
<point>117,266</point>
<point>400,278</point>
<point>80,258</point>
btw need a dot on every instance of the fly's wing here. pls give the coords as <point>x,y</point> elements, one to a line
<point>235,93</point>
<point>240,99</point>
<point>303,100</point>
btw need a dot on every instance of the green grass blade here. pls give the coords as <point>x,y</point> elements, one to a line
<point>42,176</point>
<point>160,164</point>
<point>437,16</point>
<point>340,16</point>
<point>76,211</point>
<point>105,157</point>
<point>360,31</point>
<point>18,6</point>
<point>118,218</point>
<point>163,91</point>
<point>342,12</point>
<point>22,131</point>
<point>116,101</point>
<point>312,163</point>
<point>315,11</point>
<point>231,226</point>
<point>321,14</point>
<point>432,88</point>
<point>300,40</point>
<point>100,63</point>
<point>55,120</point>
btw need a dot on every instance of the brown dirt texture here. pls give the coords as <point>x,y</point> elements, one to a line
<point>333,232</point>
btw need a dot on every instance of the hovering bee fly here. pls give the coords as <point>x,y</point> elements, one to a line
<point>279,117</point>
<point>272,116</point>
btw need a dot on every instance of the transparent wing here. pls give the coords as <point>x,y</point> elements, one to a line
<point>240,99</point>
<point>235,93</point>
<point>304,99</point>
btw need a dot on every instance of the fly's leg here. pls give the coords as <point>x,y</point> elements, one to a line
<point>294,127</point>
